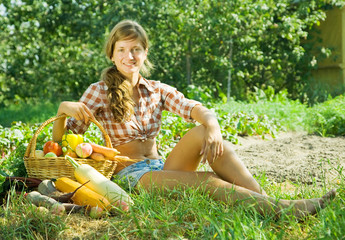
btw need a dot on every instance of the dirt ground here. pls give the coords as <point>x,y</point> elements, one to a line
<point>294,157</point>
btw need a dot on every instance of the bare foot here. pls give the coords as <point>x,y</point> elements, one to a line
<point>305,207</point>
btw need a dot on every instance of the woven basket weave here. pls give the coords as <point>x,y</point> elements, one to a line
<point>56,167</point>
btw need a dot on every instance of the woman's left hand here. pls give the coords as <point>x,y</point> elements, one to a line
<point>213,144</point>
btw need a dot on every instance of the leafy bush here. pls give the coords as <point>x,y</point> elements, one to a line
<point>328,118</point>
<point>247,124</point>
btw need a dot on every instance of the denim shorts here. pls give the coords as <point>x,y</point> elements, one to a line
<point>132,174</point>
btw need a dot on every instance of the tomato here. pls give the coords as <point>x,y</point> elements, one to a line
<point>52,146</point>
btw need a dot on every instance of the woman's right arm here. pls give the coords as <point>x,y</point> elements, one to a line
<point>78,110</point>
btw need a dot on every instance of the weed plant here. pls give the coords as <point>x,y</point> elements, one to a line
<point>327,118</point>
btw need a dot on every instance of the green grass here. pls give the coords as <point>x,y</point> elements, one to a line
<point>28,113</point>
<point>179,214</point>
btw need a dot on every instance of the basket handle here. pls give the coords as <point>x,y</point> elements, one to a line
<point>30,150</point>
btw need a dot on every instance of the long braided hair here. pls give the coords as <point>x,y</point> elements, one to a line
<point>119,88</point>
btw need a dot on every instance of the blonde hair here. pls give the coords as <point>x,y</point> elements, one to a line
<point>119,88</point>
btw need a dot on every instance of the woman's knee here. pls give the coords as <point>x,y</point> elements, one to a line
<point>198,131</point>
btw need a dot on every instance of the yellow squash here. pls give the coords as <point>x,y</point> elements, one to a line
<point>84,195</point>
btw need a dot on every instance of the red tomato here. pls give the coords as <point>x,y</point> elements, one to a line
<point>52,146</point>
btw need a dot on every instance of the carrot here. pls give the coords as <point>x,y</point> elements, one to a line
<point>107,152</point>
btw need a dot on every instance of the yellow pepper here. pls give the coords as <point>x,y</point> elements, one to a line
<point>71,141</point>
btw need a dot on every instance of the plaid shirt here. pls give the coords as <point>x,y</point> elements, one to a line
<point>146,121</point>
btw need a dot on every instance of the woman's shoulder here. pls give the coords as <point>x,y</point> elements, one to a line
<point>100,87</point>
<point>96,90</point>
<point>156,85</point>
<point>99,84</point>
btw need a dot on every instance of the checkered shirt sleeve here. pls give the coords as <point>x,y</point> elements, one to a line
<point>177,103</point>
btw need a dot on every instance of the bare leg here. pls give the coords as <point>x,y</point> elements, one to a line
<point>186,157</point>
<point>229,193</point>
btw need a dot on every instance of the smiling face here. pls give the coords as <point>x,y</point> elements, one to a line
<point>129,57</point>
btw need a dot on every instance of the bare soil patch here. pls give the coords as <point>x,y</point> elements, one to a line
<point>295,157</point>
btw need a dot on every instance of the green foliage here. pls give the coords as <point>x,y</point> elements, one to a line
<point>13,144</point>
<point>328,118</point>
<point>48,50</point>
<point>53,49</point>
<point>290,114</point>
<point>232,126</point>
<point>205,94</point>
<point>247,124</point>
<point>173,128</point>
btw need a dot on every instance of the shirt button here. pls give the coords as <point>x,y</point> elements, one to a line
<point>143,140</point>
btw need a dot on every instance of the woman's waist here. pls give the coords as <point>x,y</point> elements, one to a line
<point>123,162</point>
<point>136,151</point>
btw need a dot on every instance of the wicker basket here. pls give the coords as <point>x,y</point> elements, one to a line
<point>48,168</point>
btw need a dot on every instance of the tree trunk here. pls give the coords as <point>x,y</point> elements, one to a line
<point>229,72</point>
<point>189,62</point>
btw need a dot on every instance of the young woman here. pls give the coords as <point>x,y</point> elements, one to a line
<point>130,109</point>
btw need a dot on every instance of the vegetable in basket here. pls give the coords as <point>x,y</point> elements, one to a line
<point>108,153</point>
<point>71,141</point>
<point>53,147</point>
